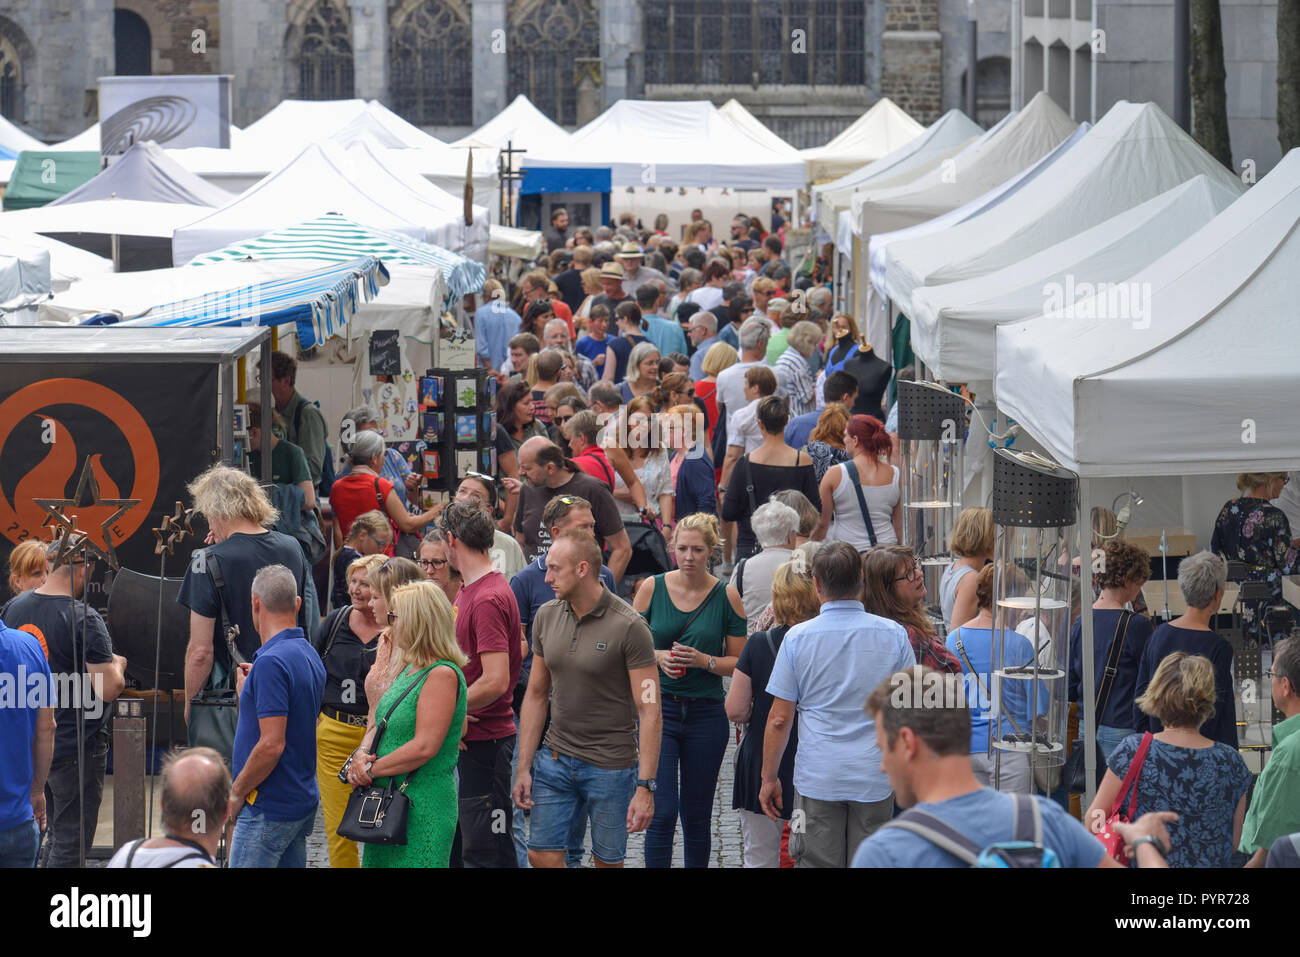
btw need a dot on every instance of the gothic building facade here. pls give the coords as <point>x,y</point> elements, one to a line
<point>805,67</point>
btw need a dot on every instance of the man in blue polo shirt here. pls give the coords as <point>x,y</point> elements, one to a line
<point>274,797</point>
<point>26,746</point>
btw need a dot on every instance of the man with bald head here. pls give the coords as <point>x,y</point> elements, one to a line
<point>195,786</point>
<point>547,473</point>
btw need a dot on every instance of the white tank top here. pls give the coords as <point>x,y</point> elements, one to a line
<point>847,524</point>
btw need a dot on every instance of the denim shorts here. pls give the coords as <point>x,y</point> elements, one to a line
<point>560,785</point>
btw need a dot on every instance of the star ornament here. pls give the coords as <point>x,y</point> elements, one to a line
<point>87,496</point>
<point>173,529</point>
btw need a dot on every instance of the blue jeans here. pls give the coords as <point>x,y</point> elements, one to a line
<point>19,843</point>
<point>694,738</point>
<point>260,842</point>
<point>565,791</point>
<point>1109,738</point>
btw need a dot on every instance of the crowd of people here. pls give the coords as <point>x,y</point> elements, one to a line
<point>696,523</point>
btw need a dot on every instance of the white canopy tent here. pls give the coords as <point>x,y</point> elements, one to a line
<point>68,264</point>
<point>1034,132</point>
<point>24,281</point>
<point>941,139</point>
<point>673,143</point>
<point>1134,153</point>
<point>521,125</point>
<point>318,180</point>
<point>88,139</point>
<point>735,111</point>
<point>145,172</point>
<point>884,128</point>
<point>15,140</point>
<point>128,217</point>
<point>954,325</point>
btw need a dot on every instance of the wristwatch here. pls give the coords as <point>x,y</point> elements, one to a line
<point>648,784</point>
<point>1153,841</point>
<point>712,662</point>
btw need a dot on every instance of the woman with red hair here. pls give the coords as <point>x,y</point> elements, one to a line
<point>861,500</point>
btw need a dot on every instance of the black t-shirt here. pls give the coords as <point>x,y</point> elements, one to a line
<point>532,500</point>
<point>611,303</point>
<point>346,665</point>
<point>339,589</point>
<point>766,479</point>
<point>873,374</point>
<point>569,283</point>
<point>756,660</point>
<point>56,621</point>
<point>241,556</point>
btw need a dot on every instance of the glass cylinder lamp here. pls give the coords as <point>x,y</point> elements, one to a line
<point>931,433</point>
<point>1035,510</point>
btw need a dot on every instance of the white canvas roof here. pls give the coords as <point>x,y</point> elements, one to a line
<point>954,325</point>
<point>519,243</point>
<point>88,139</point>
<point>941,139</point>
<point>1203,381</point>
<point>735,111</point>
<point>145,172</point>
<point>122,217</point>
<point>674,143</point>
<point>15,140</point>
<point>520,124</point>
<point>318,180</point>
<point>24,275</point>
<point>1033,133</point>
<point>1134,153</point>
<point>881,242</point>
<point>876,133</point>
<point>68,264</point>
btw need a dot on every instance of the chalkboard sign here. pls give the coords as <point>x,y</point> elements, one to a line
<point>385,352</point>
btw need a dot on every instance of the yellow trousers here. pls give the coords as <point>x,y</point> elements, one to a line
<point>334,742</point>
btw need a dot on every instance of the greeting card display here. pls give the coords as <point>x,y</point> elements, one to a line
<point>432,423</point>
<point>466,392</point>
<point>465,428</point>
<point>458,422</point>
<point>430,390</point>
<point>489,425</point>
<point>431,470</point>
<point>465,461</point>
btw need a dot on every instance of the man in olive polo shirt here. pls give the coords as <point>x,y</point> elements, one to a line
<point>593,657</point>
<point>1275,804</point>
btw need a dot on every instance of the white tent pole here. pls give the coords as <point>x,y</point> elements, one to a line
<point>1088,698</point>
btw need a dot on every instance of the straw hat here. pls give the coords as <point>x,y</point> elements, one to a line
<point>611,271</point>
<point>629,251</point>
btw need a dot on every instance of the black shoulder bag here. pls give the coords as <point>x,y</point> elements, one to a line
<point>1076,774</point>
<point>852,469</point>
<point>377,815</point>
<point>214,711</point>
<point>340,615</point>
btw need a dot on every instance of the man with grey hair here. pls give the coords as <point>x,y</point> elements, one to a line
<point>396,469</point>
<point>1275,803</point>
<point>775,526</point>
<point>703,333</point>
<point>793,379</point>
<point>731,381</point>
<point>274,796</point>
<point>195,789</point>
<point>1201,578</point>
<point>688,280</point>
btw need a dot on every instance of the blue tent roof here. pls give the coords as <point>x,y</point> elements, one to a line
<point>319,302</point>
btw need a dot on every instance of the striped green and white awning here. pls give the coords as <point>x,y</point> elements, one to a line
<point>334,238</point>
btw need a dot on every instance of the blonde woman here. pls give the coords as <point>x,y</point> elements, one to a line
<point>384,580</point>
<point>794,599</point>
<point>642,371</point>
<point>421,730</point>
<point>1204,781</point>
<point>698,624</point>
<point>591,287</point>
<point>347,641</point>
<point>971,544</point>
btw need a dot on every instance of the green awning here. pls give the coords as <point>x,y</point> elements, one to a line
<point>41,176</point>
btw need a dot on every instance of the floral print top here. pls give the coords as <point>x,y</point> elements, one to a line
<point>1251,530</point>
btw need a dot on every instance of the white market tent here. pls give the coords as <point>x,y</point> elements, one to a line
<point>735,111</point>
<point>318,180</point>
<point>876,133</point>
<point>68,264</point>
<point>1034,132</point>
<point>954,325</point>
<point>13,140</point>
<point>1134,153</point>
<point>88,140</point>
<point>128,217</point>
<point>1219,343</point>
<point>523,244</point>
<point>941,139</point>
<point>521,125</point>
<point>673,143</point>
<point>24,280</point>
<point>145,172</point>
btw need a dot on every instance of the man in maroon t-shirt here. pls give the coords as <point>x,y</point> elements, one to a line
<point>488,630</point>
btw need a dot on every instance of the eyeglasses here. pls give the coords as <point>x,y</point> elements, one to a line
<point>392,617</point>
<point>912,575</point>
<point>431,562</point>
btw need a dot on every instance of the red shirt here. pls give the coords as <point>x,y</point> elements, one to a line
<point>562,311</point>
<point>593,461</point>
<point>707,392</point>
<point>355,493</point>
<point>487,619</point>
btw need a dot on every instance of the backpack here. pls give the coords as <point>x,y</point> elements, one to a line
<point>327,471</point>
<point>1025,850</point>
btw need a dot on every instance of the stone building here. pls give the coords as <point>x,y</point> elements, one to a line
<point>805,67</point>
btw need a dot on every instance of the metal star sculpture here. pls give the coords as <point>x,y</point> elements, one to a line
<point>70,539</point>
<point>173,528</point>
<point>87,496</point>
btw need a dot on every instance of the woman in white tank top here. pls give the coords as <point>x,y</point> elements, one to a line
<point>867,441</point>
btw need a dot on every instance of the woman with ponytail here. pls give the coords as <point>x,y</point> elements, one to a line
<point>861,499</point>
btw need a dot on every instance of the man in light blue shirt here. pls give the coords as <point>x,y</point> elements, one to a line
<point>495,324</point>
<point>824,670</point>
<point>703,333</point>
<point>666,335</point>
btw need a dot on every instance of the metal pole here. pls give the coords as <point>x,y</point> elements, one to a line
<point>157,663</point>
<point>116,245</point>
<point>972,60</point>
<point>1088,701</point>
<point>1182,64</point>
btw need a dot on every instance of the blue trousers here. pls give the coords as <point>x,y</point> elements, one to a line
<point>690,756</point>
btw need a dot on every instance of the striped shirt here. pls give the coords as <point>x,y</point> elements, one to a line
<point>794,381</point>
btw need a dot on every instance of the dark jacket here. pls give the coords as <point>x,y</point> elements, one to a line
<point>696,487</point>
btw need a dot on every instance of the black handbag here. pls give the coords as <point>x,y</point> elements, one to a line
<point>377,815</point>
<point>214,711</point>
<point>1075,775</point>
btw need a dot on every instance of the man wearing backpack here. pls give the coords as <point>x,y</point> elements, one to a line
<point>304,422</point>
<point>922,728</point>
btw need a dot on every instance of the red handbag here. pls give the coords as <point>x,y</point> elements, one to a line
<point>1107,835</point>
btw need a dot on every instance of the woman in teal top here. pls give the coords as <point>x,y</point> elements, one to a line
<point>421,738</point>
<point>698,623</point>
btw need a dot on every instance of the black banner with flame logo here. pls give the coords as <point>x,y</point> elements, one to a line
<point>146,430</point>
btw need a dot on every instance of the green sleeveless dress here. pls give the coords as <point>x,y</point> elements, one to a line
<point>431,825</point>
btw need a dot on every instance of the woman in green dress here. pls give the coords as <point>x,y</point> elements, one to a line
<point>421,741</point>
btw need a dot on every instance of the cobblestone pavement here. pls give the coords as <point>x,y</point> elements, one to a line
<point>726,850</point>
